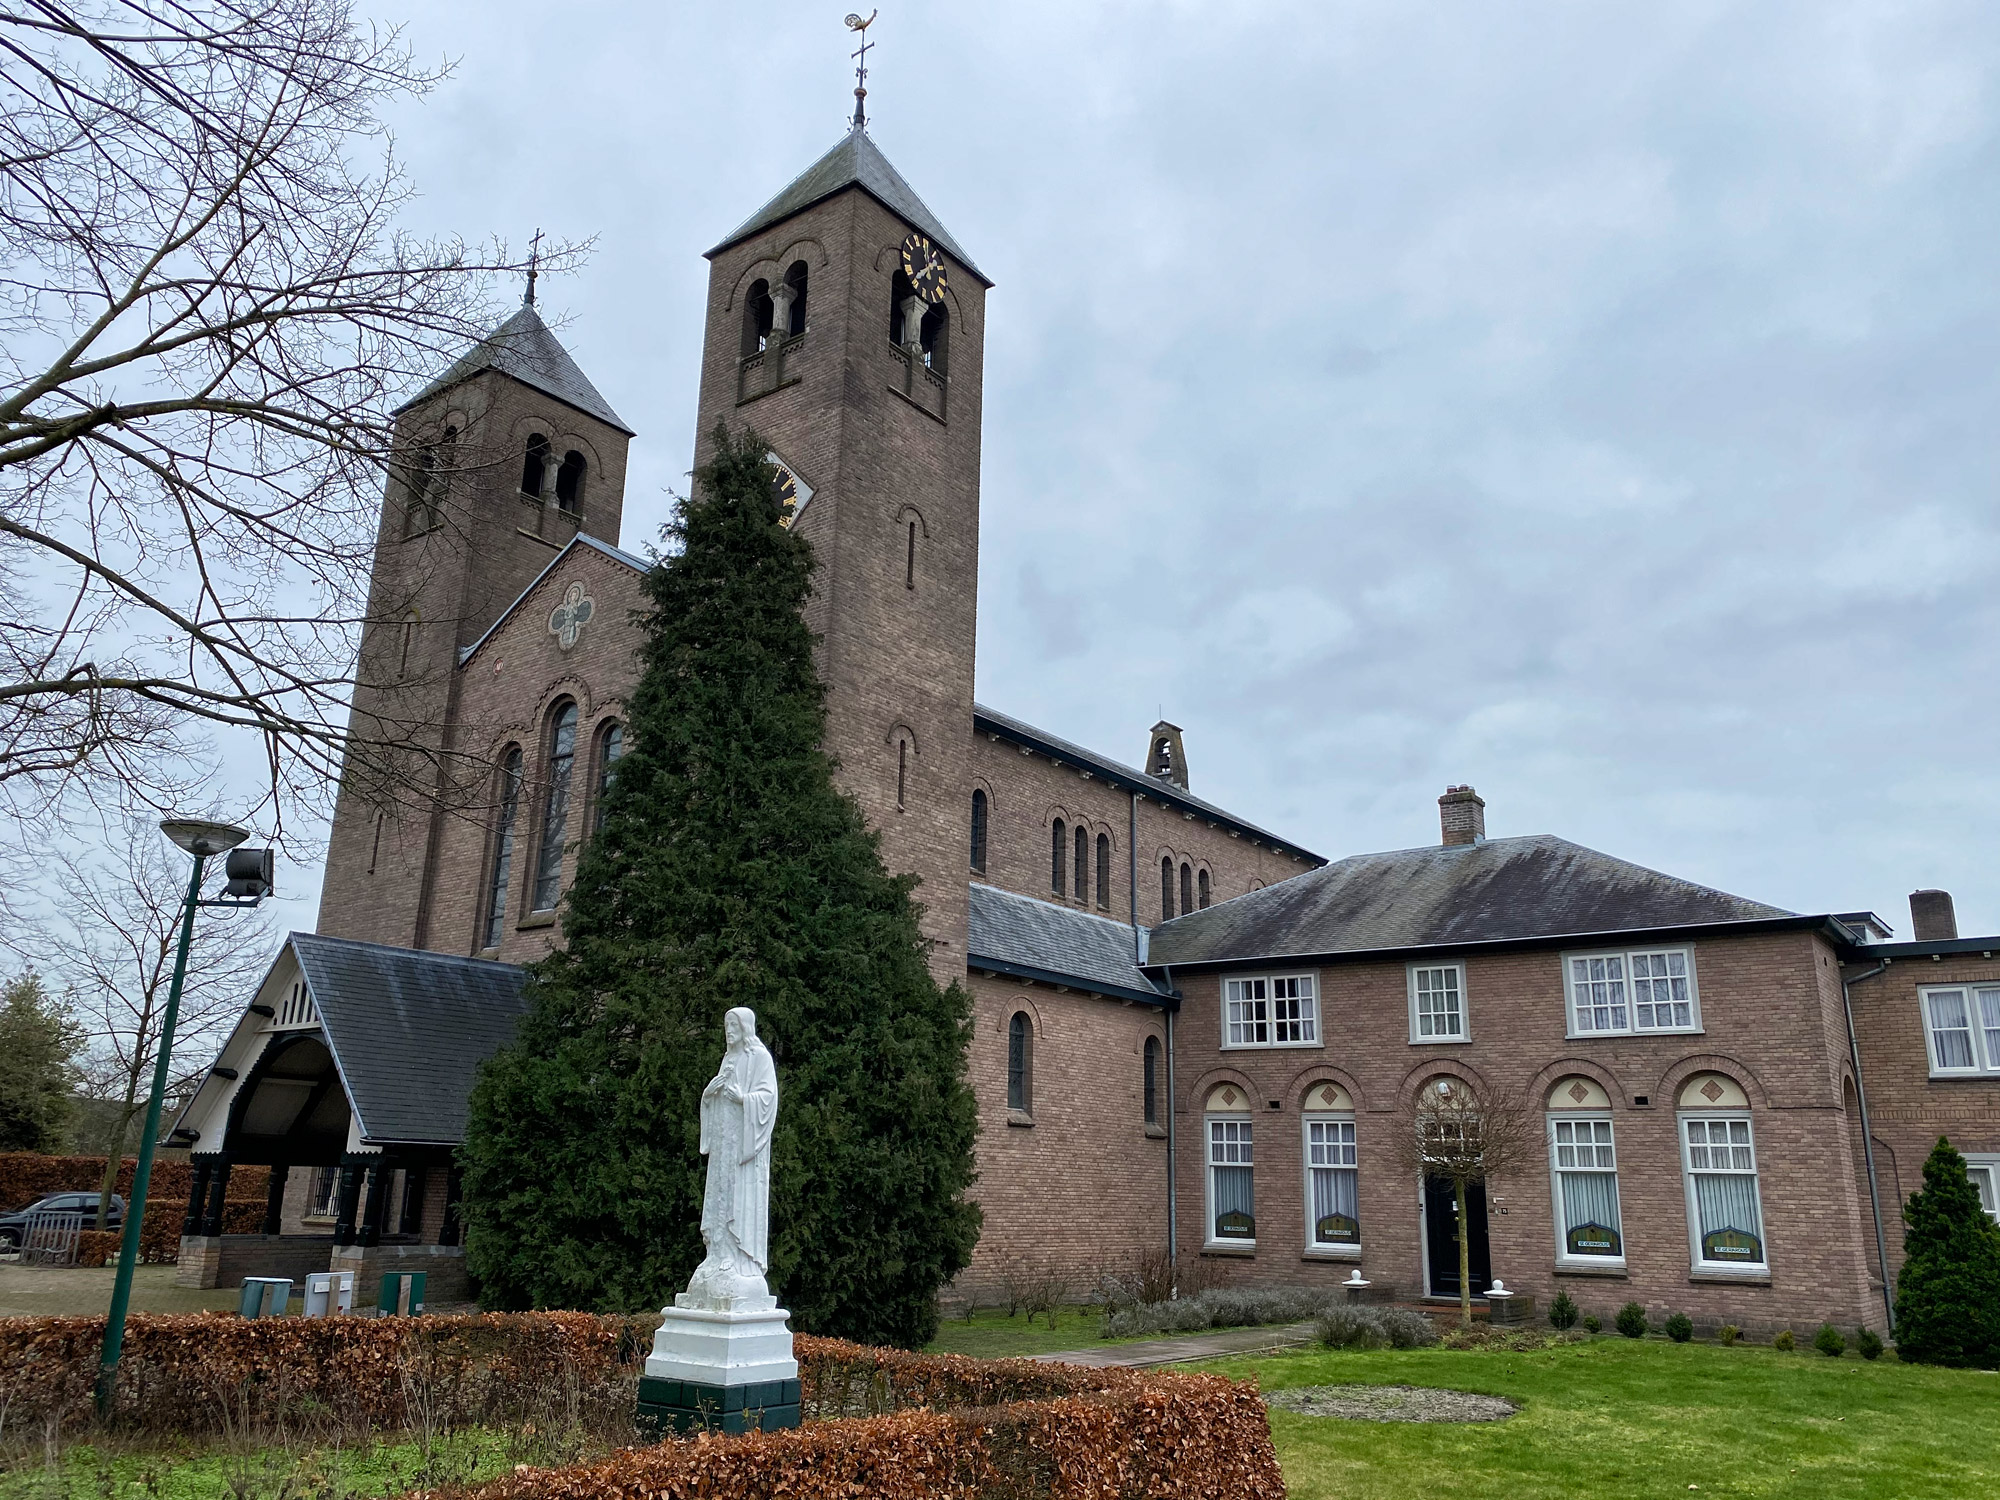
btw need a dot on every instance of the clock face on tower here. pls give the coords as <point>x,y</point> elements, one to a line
<point>793,493</point>
<point>925,268</point>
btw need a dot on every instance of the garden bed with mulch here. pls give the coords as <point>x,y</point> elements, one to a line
<point>1391,1403</point>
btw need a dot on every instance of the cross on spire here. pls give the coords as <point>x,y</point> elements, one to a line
<point>860,55</point>
<point>534,264</point>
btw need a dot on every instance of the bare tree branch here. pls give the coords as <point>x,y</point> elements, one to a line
<point>1465,1138</point>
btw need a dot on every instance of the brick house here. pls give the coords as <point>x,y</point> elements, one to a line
<point>1190,1031</point>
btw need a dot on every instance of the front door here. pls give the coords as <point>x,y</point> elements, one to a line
<point>1441,1236</point>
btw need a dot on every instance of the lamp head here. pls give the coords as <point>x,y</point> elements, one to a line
<point>200,837</point>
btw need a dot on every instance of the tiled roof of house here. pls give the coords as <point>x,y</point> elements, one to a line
<point>524,348</point>
<point>1033,939</point>
<point>855,162</point>
<point>408,1030</point>
<point>1497,891</point>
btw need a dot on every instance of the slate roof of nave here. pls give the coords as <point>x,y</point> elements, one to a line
<point>1128,778</point>
<point>1033,939</point>
<point>408,1030</point>
<point>524,348</point>
<point>581,539</point>
<point>1501,890</point>
<point>856,162</point>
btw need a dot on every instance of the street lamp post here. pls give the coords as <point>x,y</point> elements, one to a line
<point>203,840</point>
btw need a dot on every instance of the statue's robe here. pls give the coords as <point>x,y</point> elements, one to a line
<point>736,1139</point>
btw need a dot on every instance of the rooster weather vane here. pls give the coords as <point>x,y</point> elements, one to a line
<point>860,27</point>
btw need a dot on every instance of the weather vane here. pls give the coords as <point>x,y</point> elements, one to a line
<point>534,263</point>
<point>856,24</point>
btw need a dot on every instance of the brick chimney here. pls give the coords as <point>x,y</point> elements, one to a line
<point>1462,812</point>
<point>1931,916</point>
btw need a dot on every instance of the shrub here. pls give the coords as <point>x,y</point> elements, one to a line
<point>1829,1342</point>
<point>1948,1296</point>
<point>1729,1333</point>
<point>1680,1328</point>
<point>1224,1307</point>
<point>1562,1312</point>
<point>1408,1329</point>
<point>1632,1321</point>
<point>1784,1343</point>
<point>1352,1328</point>
<point>1867,1343</point>
<point>1593,1324</point>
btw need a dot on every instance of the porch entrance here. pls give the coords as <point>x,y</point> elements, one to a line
<point>1441,1236</point>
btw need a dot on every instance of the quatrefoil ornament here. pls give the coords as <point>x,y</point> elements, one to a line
<point>567,619</point>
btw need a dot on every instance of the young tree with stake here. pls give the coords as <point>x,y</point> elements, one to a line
<point>1465,1138</point>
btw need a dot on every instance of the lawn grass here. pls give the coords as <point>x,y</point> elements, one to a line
<point>991,1334</point>
<point>1627,1418</point>
<point>46,1291</point>
<point>391,1467</point>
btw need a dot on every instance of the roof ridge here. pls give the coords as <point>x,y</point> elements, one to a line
<point>428,954</point>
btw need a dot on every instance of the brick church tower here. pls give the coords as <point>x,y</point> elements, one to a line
<point>507,456</point>
<point>846,326</point>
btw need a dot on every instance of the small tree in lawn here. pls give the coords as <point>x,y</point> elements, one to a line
<point>1948,1296</point>
<point>1465,1139</point>
<point>730,870</point>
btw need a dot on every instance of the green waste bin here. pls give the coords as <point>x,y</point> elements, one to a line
<point>402,1294</point>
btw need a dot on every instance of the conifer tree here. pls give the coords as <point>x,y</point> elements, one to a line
<point>38,1076</point>
<point>1948,1296</point>
<point>729,870</point>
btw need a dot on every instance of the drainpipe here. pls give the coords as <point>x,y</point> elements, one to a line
<point>1132,886</point>
<point>1868,1142</point>
<point>1173,1202</point>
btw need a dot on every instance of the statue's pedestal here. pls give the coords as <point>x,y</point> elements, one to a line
<point>721,1371</point>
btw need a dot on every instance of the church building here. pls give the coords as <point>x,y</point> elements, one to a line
<point>1194,1036</point>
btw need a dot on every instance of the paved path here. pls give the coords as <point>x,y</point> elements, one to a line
<point>1189,1346</point>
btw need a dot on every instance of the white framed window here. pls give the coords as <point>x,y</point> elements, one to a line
<point>1984,1170</point>
<point>1437,1003</point>
<point>1725,1212</point>
<point>1271,1010</point>
<point>1232,1198</point>
<point>1333,1207</point>
<point>1962,1028</point>
<point>1649,989</point>
<point>1583,1161</point>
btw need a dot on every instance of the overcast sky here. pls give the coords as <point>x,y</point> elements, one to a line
<point>1592,402</point>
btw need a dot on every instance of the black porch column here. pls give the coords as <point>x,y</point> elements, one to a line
<point>454,1187</point>
<point>378,1202</point>
<point>197,1191</point>
<point>412,1219</point>
<point>274,1201</point>
<point>218,1193</point>
<point>345,1204</point>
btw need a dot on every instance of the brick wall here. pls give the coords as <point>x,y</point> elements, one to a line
<point>1763,1012</point>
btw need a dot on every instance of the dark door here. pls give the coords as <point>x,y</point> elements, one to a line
<point>1441,1236</point>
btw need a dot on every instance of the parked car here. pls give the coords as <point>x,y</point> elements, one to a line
<point>14,1226</point>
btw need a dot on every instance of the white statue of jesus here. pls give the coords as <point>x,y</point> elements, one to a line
<point>738,1110</point>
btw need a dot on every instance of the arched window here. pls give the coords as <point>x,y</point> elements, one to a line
<point>1058,857</point>
<point>1021,1063</point>
<point>610,746</point>
<point>979,830</point>
<point>535,465</point>
<point>1201,889</point>
<point>1082,863</point>
<point>756,317</point>
<point>555,812</point>
<point>1104,871</point>
<point>428,475</point>
<point>1152,1080</point>
<point>569,483</point>
<point>795,278</point>
<point>910,559</point>
<point>931,336</point>
<point>503,846</point>
<point>1187,889</point>
<point>1166,890</point>
<point>1725,1209</point>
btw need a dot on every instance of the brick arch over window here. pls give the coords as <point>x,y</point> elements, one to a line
<point>1674,1078</point>
<point>1311,1077</point>
<point>773,268</point>
<point>1208,1082</point>
<point>1421,1073</point>
<point>912,534</point>
<point>1576,1067</point>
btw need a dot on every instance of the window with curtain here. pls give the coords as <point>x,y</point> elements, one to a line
<point>555,812</point>
<point>1166,890</point>
<point>979,830</point>
<point>1152,1080</point>
<point>1333,1211</point>
<point>1020,1063</point>
<point>1962,1026</point>
<point>1104,872</point>
<point>1985,1174</point>
<point>1722,1191</point>
<point>1058,857</point>
<point>1585,1163</point>
<point>1437,1003</point>
<point>503,847</point>
<point>610,746</point>
<point>1232,1211</point>
<point>1627,992</point>
<point>1278,1010</point>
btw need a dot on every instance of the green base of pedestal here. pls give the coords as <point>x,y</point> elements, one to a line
<point>675,1408</point>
